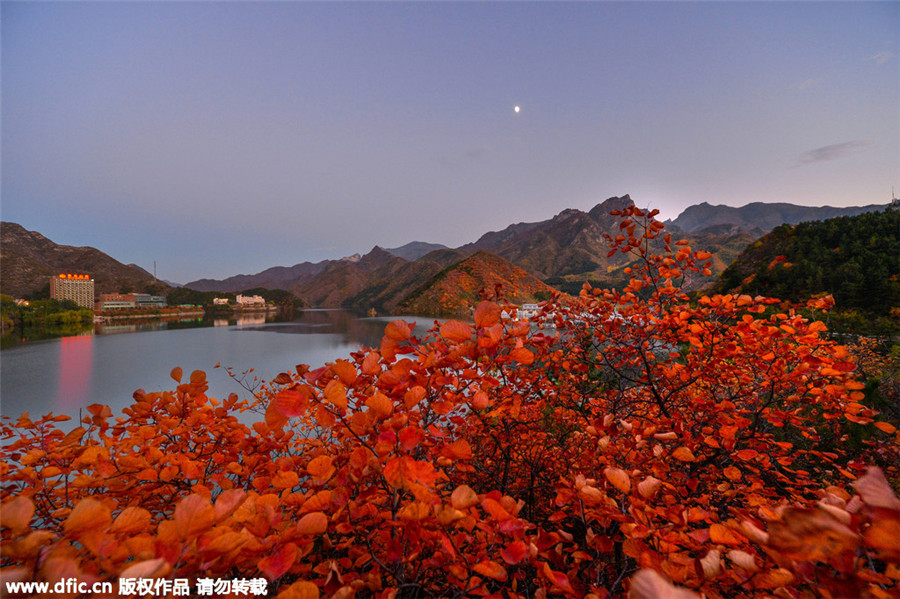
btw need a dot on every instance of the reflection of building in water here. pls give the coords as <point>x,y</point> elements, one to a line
<point>113,329</point>
<point>78,288</point>
<point>75,364</point>
<point>220,322</point>
<point>250,319</point>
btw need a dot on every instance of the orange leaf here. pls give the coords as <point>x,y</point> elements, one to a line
<point>725,536</point>
<point>487,314</point>
<point>283,378</point>
<point>414,511</point>
<point>149,568</point>
<point>275,417</point>
<point>176,374</point>
<point>413,396</point>
<point>522,355</point>
<point>227,542</point>
<point>732,473</point>
<point>193,516</point>
<point>397,330</point>
<point>410,437</point>
<point>810,535</point>
<point>886,427</point>
<point>380,405</point>
<point>454,330</point>
<point>300,590</point>
<point>285,480</point>
<point>496,510</point>
<point>875,490</point>
<point>458,450</point>
<point>336,393</point>
<point>619,479</point>
<point>463,496</point>
<point>88,515</point>
<point>321,468</point>
<point>882,535</point>
<point>16,514</point>
<point>345,371</point>
<point>648,584</point>
<point>558,579</point>
<point>314,523</point>
<point>228,502</point>
<point>275,565</point>
<point>372,363</point>
<point>773,579</point>
<point>514,552</point>
<point>293,402</point>
<point>648,487</point>
<point>319,502</point>
<point>491,569</point>
<point>746,454</point>
<point>447,515</point>
<point>131,520</point>
<point>480,400</point>
<point>683,454</point>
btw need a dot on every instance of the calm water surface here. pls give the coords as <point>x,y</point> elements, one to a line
<point>106,367</point>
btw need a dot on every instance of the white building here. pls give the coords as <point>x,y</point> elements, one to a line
<point>250,300</point>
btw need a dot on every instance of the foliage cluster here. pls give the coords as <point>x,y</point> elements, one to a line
<point>456,289</point>
<point>43,312</point>
<point>643,440</point>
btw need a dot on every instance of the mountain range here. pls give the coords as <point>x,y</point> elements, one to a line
<point>421,277</point>
<point>29,260</point>
<point>757,218</point>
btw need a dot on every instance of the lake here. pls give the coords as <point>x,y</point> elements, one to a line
<point>108,364</point>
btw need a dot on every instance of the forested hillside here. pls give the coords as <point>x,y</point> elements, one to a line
<point>854,258</point>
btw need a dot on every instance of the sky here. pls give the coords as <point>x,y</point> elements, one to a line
<point>223,138</point>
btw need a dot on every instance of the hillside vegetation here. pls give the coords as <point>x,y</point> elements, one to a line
<point>456,290</point>
<point>29,261</point>
<point>854,258</point>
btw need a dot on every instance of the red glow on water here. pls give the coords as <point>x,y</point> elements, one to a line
<point>75,363</point>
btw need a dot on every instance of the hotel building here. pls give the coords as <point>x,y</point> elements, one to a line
<point>78,288</point>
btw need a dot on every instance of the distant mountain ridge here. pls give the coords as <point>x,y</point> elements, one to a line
<point>277,277</point>
<point>562,251</point>
<point>29,261</point>
<point>759,217</point>
<point>570,243</point>
<point>415,249</point>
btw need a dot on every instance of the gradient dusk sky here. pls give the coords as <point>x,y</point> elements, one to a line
<point>220,138</point>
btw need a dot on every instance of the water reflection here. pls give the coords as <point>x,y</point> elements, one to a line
<point>245,320</point>
<point>106,365</point>
<point>75,372</point>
